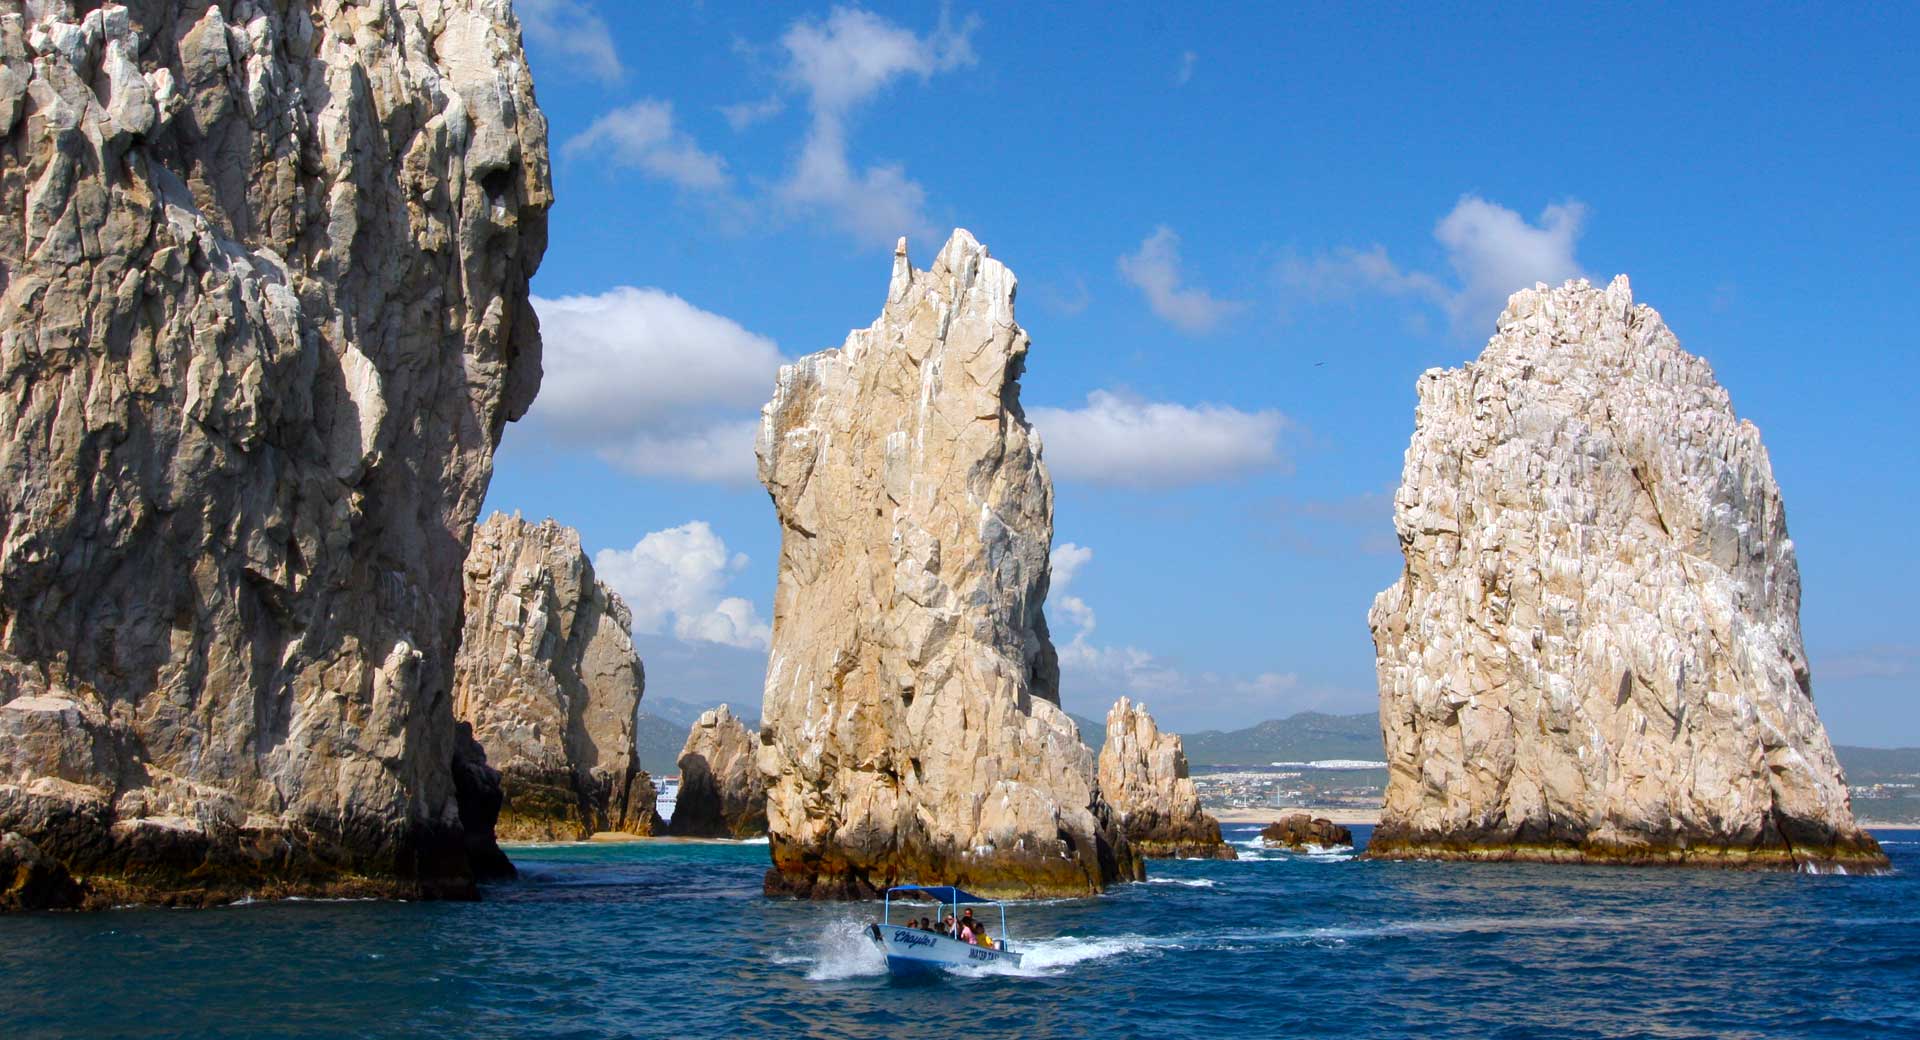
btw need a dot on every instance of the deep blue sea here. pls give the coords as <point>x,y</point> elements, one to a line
<point>673,939</point>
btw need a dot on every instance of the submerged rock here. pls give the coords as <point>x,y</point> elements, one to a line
<point>548,678</point>
<point>911,729</point>
<point>1305,831</point>
<point>1594,651</point>
<point>722,794</point>
<point>263,315</point>
<point>1143,776</point>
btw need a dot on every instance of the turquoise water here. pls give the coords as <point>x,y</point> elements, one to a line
<point>674,939</point>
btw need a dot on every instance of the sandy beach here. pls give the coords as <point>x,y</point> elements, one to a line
<point>1347,817</point>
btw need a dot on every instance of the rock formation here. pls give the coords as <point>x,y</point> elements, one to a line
<point>548,679</point>
<point>1143,776</point>
<point>1305,831</point>
<point>722,794</point>
<point>911,725</point>
<point>262,317</point>
<point>1594,650</point>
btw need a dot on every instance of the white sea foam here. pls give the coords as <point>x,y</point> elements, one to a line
<point>842,951</point>
<point>1056,956</point>
<point>1188,882</point>
<point>761,840</point>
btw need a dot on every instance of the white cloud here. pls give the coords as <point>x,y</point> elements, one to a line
<point>1492,250</point>
<point>840,63</point>
<point>1346,272</point>
<point>571,29</point>
<point>1184,74</point>
<point>1065,561</point>
<point>679,576</point>
<point>1118,440</point>
<point>1155,271</point>
<point>642,135</point>
<point>652,383</point>
<point>746,113</point>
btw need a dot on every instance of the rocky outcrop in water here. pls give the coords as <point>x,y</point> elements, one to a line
<point>1143,776</point>
<point>548,678</point>
<point>911,728</point>
<point>722,794</point>
<point>262,318</point>
<point>1303,831</point>
<point>1594,652</point>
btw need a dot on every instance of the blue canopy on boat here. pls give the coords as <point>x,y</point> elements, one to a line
<point>943,893</point>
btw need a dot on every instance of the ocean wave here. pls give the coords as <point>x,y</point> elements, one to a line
<point>1044,957</point>
<point>1188,882</point>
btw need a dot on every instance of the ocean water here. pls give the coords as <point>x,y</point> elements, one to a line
<point>672,939</point>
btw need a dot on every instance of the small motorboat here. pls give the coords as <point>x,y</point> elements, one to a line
<point>912,950</point>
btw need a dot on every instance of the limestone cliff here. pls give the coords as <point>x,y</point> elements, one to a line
<point>1594,650</point>
<point>549,680</point>
<point>722,794</point>
<point>263,313</point>
<point>1143,775</point>
<point>911,724</point>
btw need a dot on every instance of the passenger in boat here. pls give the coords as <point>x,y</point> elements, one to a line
<point>967,934</point>
<point>968,922</point>
<point>985,939</point>
<point>926,925</point>
<point>952,930</point>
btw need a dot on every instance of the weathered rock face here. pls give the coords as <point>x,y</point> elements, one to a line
<point>262,317</point>
<point>1143,776</point>
<point>722,793</point>
<point>911,726</point>
<point>1594,651</point>
<point>549,680</point>
<point>1304,831</point>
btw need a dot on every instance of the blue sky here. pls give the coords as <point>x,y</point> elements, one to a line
<point>1241,234</point>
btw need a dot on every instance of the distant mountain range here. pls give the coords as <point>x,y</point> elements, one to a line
<point>1309,736</point>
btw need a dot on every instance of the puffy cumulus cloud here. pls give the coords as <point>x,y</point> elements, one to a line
<point>1155,270</point>
<point>642,136</point>
<point>839,63</point>
<point>1492,251</point>
<point>572,30</point>
<point>1123,441</point>
<point>652,383</point>
<point>1065,561</point>
<point>676,579</point>
<point>1495,251</point>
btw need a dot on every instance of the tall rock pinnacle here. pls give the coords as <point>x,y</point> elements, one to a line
<point>263,316</point>
<point>1594,651</point>
<point>911,728</point>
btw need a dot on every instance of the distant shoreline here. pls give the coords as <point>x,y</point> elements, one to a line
<point>1371,817</point>
<point>1345,817</point>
